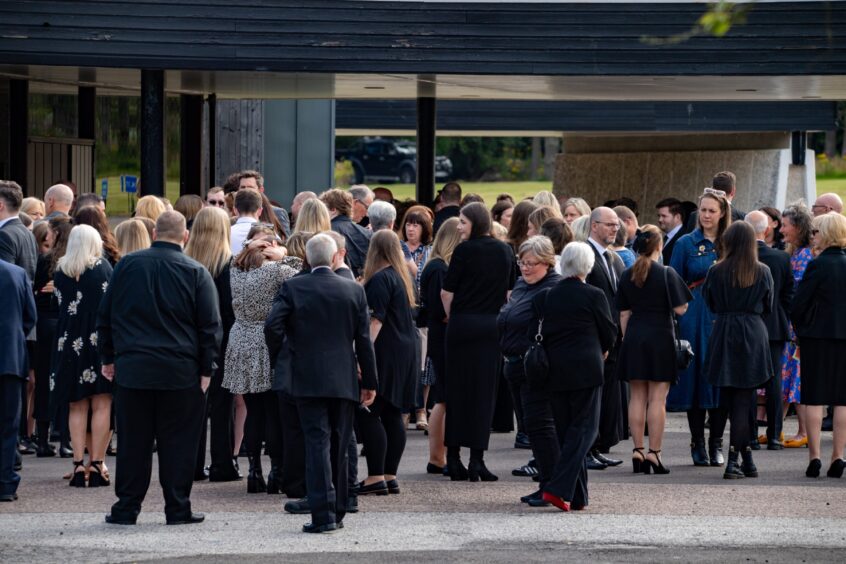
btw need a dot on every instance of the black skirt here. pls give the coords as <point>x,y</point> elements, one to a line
<point>823,377</point>
<point>472,371</point>
<point>647,352</point>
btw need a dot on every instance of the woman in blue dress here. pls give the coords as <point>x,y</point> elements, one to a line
<point>693,255</point>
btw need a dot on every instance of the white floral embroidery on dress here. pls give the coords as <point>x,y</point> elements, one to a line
<point>77,345</point>
<point>62,340</point>
<point>105,285</point>
<point>93,338</point>
<point>58,295</point>
<point>52,381</point>
<point>73,305</point>
<point>89,375</point>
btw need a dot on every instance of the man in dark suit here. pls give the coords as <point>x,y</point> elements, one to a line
<point>159,335</point>
<point>326,323</point>
<point>776,321</point>
<point>605,275</point>
<point>17,245</point>
<point>671,222</point>
<point>725,182</point>
<point>18,307</point>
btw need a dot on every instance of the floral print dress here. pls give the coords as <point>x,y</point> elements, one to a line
<point>790,381</point>
<point>76,362</point>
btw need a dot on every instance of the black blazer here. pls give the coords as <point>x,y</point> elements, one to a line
<point>324,320</point>
<point>598,277</point>
<point>779,264</point>
<point>667,253</point>
<point>18,318</point>
<point>357,240</point>
<point>577,330</point>
<point>17,246</point>
<point>819,308</point>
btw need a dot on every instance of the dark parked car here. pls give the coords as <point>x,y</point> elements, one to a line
<point>386,160</point>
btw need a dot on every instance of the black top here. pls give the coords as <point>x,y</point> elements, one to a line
<point>480,274</point>
<point>159,320</point>
<point>650,302</point>
<point>515,316</point>
<point>357,239</point>
<point>444,214</point>
<point>577,330</point>
<point>819,307</point>
<point>431,284</point>
<point>45,302</point>
<point>396,345</point>
<point>325,319</point>
<point>779,264</point>
<point>17,246</point>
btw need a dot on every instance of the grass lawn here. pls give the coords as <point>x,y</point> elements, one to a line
<point>487,190</point>
<point>836,185</point>
<point>117,203</point>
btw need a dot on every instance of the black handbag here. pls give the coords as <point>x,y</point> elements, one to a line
<point>535,361</point>
<point>683,350</point>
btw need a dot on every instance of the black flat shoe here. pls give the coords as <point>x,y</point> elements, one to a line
<point>774,445</point>
<point>300,506</point>
<point>434,469</point>
<point>377,488</point>
<point>814,468</point>
<point>593,463</point>
<point>521,440</point>
<point>535,495</point>
<point>230,475</point>
<point>538,503</point>
<point>327,528</point>
<point>9,497</point>
<point>65,451</point>
<point>48,451</point>
<point>26,446</point>
<point>836,468</point>
<point>190,520</point>
<point>606,460</point>
<point>114,520</point>
<point>393,486</point>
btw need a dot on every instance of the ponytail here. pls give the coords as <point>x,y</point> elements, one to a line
<point>647,242</point>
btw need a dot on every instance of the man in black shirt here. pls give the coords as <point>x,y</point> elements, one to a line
<point>159,334</point>
<point>451,200</point>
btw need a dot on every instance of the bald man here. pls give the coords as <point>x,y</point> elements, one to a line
<point>58,199</point>
<point>825,203</point>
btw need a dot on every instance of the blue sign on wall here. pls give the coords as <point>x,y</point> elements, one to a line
<point>104,189</point>
<point>130,183</point>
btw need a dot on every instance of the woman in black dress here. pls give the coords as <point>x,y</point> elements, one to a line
<point>476,286</point>
<point>81,279</point>
<point>647,297</point>
<point>433,315</point>
<point>390,296</point>
<point>819,309</point>
<point>739,291</point>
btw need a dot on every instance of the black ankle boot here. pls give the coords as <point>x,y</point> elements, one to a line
<point>274,476</point>
<point>715,451</point>
<point>748,467</point>
<point>255,478</point>
<point>697,452</point>
<point>457,471</point>
<point>733,471</point>
<point>477,470</point>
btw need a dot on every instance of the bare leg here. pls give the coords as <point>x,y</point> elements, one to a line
<point>101,405</point>
<point>813,424</point>
<point>803,422</point>
<point>240,419</point>
<point>639,394</point>
<point>656,414</point>
<point>437,450</point>
<point>839,432</point>
<point>421,413</point>
<point>77,423</point>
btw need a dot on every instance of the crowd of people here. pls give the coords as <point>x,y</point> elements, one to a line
<point>304,333</point>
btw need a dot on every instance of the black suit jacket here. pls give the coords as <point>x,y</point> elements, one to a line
<point>357,239</point>
<point>819,310</point>
<point>324,320</point>
<point>667,253</point>
<point>17,246</point>
<point>577,330</point>
<point>779,264</point>
<point>18,318</point>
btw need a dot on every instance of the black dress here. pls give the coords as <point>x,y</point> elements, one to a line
<point>47,308</point>
<point>431,284</point>
<point>396,346</point>
<point>647,352</point>
<point>76,368</point>
<point>739,348</point>
<point>480,274</point>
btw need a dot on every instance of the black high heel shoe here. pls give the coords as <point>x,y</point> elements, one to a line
<point>477,470</point>
<point>649,466</point>
<point>95,476</point>
<point>637,463</point>
<point>457,471</point>
<point>814,468</point>
<point>78,478</point>
<point>836,468</point>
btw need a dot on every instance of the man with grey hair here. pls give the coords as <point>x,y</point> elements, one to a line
<point>326,322</point>
<point>605,275</point>
<point>382,215</point>
<point>826,203</point>
<point>339,265</point>
<point>362,198</point>
<point>58,199</point>
<point>776,321</point>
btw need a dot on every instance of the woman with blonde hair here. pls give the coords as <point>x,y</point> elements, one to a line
<point>189,206</point>
<point>433,317</point>
<point>34,208</point>
<point>574,208</point>
<point>548,199</point>
<point>538,217</point>
<point>390,296</point>
<point>581,228</point>
<point>150,207</point>
<point>132,235</point>
<point>80,281</point>
<point>313,217</point>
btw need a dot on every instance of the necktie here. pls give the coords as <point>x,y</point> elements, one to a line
<point>611,274</point>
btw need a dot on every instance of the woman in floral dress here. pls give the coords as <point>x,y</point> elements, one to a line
<point>80,281</point>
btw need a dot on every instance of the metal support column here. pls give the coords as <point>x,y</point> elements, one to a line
<point>212,141</point>
<point>19,133</point>
<point>190,144</point>
<point>426,117</point>
<point>152,133</point>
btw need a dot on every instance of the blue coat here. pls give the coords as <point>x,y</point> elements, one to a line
<point>18,306</point>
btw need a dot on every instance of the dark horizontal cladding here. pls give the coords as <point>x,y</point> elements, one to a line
<point>484,115</point>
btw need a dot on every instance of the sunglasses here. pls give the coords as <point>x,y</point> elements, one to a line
<point>714,192</point>
<point>220,203</point>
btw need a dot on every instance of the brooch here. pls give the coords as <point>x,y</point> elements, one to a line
<point>701,248</point>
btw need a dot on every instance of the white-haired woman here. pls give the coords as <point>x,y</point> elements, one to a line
<point>577,332</point>
<point>80,281</point>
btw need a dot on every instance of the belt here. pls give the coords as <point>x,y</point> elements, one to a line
<point>696,284</point>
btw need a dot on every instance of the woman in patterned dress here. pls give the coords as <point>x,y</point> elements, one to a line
<point>80,281</point>
<point>256,275</point>
<point>796,229</point>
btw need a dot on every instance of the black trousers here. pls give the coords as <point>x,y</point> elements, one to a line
<point>504,407</point>
<point>774,408</point>
<point>740,404</point>
<point>327,427</point>
<point>515,378</point>
<point>293,447</point>
<point>539,422</point>
<point>696,422</point>
<point>383,435</point>
<point>263,423</point>
<point>173,419</point>
<point>220,418</point>
<point>577,415</point>
<point>10,413</point>
<point>611,411</point>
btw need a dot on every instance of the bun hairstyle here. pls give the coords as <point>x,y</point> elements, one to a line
<point>647,242</point>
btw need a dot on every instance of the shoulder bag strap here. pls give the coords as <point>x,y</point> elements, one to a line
<point>673,318</point>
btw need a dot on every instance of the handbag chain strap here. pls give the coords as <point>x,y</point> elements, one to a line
<point>673,320</point>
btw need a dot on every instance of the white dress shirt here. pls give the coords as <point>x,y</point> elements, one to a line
<point>239,233</point>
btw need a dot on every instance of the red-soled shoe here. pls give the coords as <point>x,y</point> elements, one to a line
<point>556,501</point>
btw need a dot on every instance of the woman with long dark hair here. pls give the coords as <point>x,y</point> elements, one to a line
<point>693,255</point>
<point>739,291</point>
<point>477,284</point>
<point>518,230</point>
<point>96,218</point>
<point>390,296</point>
